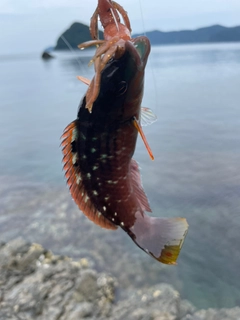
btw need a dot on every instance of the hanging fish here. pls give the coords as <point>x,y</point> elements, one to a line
<point>98,146</point>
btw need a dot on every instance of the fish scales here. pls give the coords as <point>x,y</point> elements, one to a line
<point>105,148</point>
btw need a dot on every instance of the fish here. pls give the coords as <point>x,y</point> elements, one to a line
<point>98,147</point>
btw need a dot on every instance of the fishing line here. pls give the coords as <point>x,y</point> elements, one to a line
<point>150,58</point>
<point>141,12</point>
<point>79,62</point>
<point>71,49</point>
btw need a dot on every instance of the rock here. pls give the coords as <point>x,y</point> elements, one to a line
<point>185,308</point>
<point>86,286</point>
<point>158,302</point>
<point>36,284</point>
<point>46,55</point>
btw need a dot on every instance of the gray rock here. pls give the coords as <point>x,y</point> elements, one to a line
<point>35,284</point>
<point>186,308</point>
<point>158,302</point>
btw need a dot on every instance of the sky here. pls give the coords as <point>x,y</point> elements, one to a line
<point>33,25</point>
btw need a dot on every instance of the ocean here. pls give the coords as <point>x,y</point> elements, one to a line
<point>195,92</point>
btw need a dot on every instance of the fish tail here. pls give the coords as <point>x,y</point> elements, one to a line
<point>162,238</point>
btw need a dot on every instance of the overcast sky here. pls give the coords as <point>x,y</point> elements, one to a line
<point>32,25</point>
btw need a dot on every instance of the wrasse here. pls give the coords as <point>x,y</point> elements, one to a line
<point>98,146</point>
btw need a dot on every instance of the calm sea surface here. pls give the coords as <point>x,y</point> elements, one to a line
<point>195,92</point>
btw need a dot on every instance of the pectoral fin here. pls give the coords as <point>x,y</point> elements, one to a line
<point>147,116</point>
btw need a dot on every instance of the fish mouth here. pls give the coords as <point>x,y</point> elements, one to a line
<point>142,46</point>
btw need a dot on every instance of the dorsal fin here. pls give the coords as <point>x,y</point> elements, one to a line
<point>74,179</point>
<point>137,186</point>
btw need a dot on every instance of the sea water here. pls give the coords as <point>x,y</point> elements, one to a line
<point>195,92</point>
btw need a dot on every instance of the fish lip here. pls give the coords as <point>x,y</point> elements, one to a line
<point>143,47</point>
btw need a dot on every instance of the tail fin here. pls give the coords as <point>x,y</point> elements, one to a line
<point>162,238</point>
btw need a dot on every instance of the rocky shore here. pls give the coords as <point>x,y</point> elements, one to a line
<point>36,284</point>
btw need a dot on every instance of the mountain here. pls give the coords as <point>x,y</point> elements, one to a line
<point>75,35</point>
<point>227,34</point>
<point>79,33</point>
<point>215,33</point>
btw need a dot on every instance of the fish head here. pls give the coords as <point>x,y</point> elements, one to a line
<point>121,86</point>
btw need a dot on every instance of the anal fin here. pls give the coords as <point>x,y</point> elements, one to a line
<point>137,186</point>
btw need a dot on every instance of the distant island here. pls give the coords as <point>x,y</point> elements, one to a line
<point>75,35</point>
<point>79,33</point>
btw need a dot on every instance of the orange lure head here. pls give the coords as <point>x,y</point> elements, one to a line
<point>109,16</point>
<point>107,13</point>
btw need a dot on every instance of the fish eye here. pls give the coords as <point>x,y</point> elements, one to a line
<point>122,88</point>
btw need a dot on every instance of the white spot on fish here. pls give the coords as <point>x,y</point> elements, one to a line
<point>86,199</point>
<point>95,192</point>
<point>124,178</point>
<point>119,201</point>
<point>113,219</point>
<point>93,150</point>
<point>89,175</point>
<point>78,178</point>
<point>115,182</point>
<point>110,181</point>
<point>84,157</point>
<point>94,138</point>
<point>99,184</point>
<point>82,194</point>
<point>99,214</point>
<point>103,156</point>
<point>104,208</point>
<point>115,213</point>
<point>74,158</point>
<point>119,168</point>
<point>74,135</point>
<point>106,198</point>
<point>122,224</point>
<point>95,168</point>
